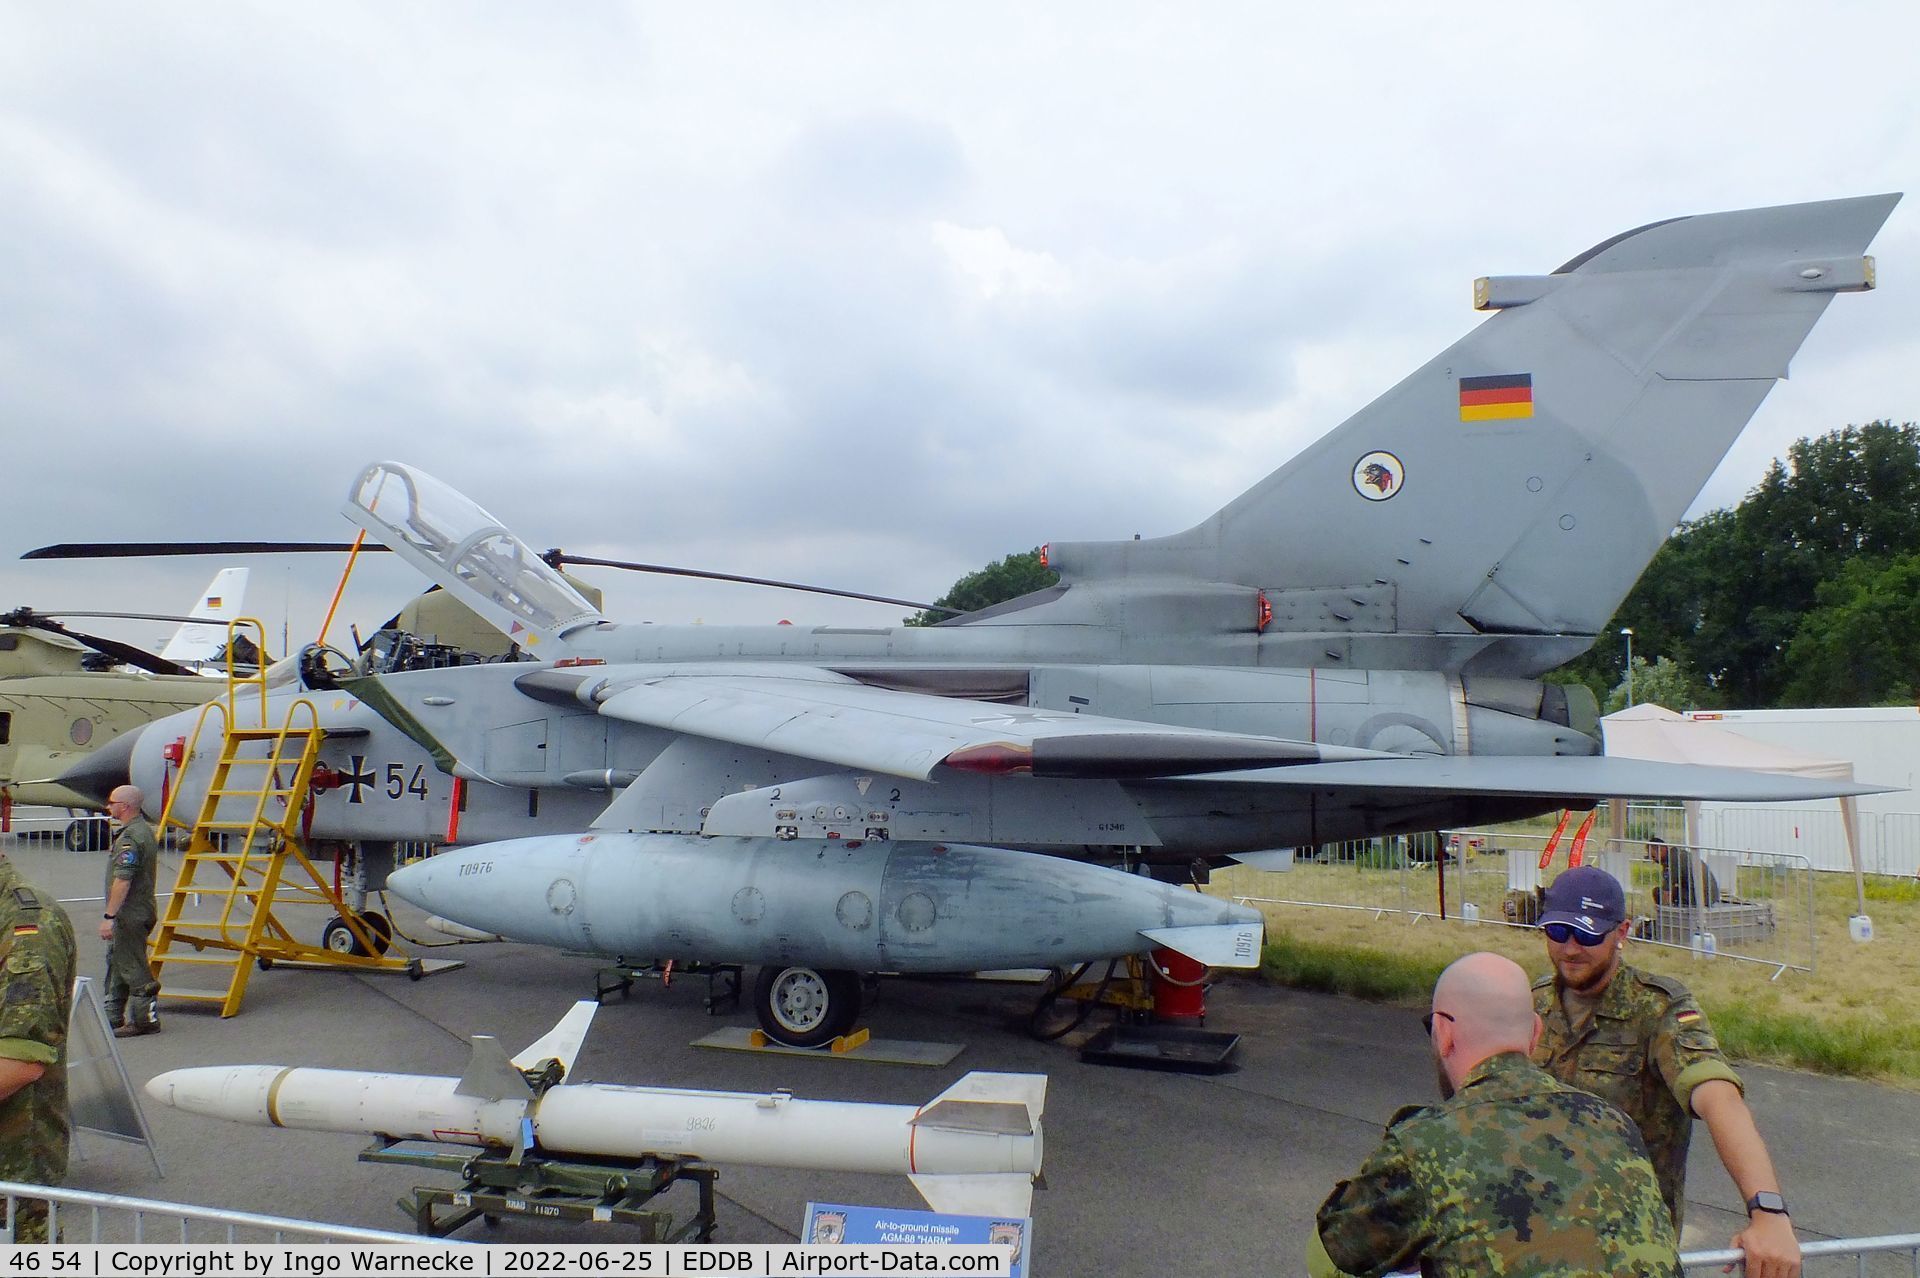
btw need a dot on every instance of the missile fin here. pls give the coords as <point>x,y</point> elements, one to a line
<point>1026,1090</point>
<point>997,1118</point>
<point>561,1043</point>
<point>491,1075</point>
<point>999,1194</point>
<point>1215,944</point>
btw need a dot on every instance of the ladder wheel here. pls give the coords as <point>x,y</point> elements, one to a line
<point>265,963</point>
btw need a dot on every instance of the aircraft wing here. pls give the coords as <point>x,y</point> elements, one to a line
<point>817,714</point>
<point>1558,778</point>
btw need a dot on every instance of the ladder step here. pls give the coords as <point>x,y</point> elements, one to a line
<point>195,996</point>
<point>229,958</point>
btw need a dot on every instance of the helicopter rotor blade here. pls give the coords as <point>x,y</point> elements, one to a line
<point>125,653</point>
<point>153,549</point>
<point>133,616</point>
<point>558,558</point>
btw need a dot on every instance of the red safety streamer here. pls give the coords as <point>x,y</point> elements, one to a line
<point>1577,854</point>
<point>1553,840</point>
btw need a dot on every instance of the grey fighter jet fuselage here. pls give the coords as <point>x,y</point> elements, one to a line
<point>1352,647</point>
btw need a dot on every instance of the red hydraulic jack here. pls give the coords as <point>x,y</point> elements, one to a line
<point>1179,988</point>
<point>1173,1039</point>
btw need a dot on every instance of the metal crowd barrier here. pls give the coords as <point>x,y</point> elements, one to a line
<point>115,1218</point>
<point>1819,1258</point>
<point>1763,911</point>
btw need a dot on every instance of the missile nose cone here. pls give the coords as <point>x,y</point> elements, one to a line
<point>238,1092</point>
<point>102,771</point>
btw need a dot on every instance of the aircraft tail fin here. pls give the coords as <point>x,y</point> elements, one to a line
<point>204,638</point>
<point>1517,483</point>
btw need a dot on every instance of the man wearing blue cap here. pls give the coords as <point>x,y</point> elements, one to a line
<point>1640,1040</point>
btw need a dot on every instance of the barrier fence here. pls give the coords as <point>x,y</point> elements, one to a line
<point>82,1216</point>
<point>1756,907</point>
<point>1829,1256</point>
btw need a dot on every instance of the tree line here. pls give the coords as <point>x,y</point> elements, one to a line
<point>1805,594</point>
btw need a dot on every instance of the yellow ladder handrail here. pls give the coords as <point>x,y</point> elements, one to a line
<point>253,853</point>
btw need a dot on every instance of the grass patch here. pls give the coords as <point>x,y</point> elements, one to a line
<point>1859,1046</point>
<point>1884,887</point>
<point>1850,1044</point>
<point>1357,971</point>
<point>1853,1015</point>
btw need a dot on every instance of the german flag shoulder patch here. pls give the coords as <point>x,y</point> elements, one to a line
<point>1688,1017</point>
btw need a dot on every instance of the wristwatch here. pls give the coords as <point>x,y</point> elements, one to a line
<point>106,916</point>
<point>1768,1201</point>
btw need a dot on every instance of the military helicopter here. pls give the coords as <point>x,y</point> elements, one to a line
<point>1353,647</point>
<point>64,692</point>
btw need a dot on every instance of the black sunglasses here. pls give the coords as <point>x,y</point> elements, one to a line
<point>1561,933</point>
<point>1427,1020</point>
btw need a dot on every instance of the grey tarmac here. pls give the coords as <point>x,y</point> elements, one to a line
<point>1147,1173</point>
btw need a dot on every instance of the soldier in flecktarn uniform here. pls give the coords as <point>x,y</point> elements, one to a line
<point>36,999</point>
<point>1511,1173</point>
<point>1640,1041</point>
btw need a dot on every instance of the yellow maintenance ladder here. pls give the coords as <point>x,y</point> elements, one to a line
<point>246,858</point>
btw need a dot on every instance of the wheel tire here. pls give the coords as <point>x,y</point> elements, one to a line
<point>338,937</point>
<point>381,928</point>
<point>101,835</point>
<point>805,1006</point>
<point>77,836</point>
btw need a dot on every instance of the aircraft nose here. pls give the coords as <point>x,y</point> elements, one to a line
<point>100,772</point>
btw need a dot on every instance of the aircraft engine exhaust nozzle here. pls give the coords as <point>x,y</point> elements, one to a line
<point>853,905</point>
<point>975,1148</point>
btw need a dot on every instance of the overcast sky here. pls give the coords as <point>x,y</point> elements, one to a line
<point>858,294</point>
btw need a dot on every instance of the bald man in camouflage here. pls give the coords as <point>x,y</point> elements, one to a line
<point>1511,1173</point>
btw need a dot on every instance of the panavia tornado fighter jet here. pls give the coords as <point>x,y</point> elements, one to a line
<point>1353,647</point>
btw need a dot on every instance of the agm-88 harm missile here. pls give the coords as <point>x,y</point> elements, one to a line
<point>839,907</point>
<point>974,1149</point>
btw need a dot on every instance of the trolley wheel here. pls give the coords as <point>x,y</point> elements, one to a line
<point>264,963</point>
<point>415,970</point>
<point>806,1006</point>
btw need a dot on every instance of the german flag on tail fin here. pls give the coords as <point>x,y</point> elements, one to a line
<point>1503,395</point>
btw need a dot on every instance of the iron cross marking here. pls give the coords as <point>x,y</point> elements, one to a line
<point>360,778</point>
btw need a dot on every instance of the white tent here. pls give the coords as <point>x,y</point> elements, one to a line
<point>1657,733</point>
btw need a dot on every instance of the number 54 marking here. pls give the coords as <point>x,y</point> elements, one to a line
<point>400,784</point>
